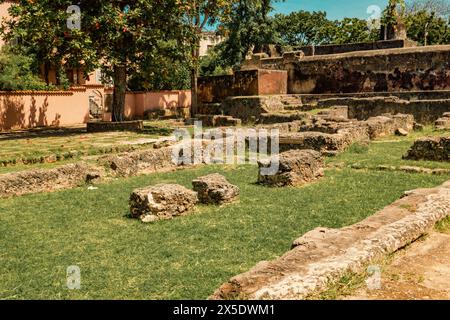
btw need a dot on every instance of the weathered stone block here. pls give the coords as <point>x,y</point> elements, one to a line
<point>444,122</point>
<point>295,168</point>
<point>161,202</point>
<point>430,148</point>
<point>215,188</point>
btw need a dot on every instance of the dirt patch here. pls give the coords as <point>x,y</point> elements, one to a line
<point>419,272</point>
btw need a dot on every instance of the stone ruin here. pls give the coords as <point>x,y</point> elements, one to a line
<point>335,135</point>
<point>443,123</point>
<point>161,202</point>
<point>40,180</point>
<point>295,168</point>
<point>322,256</point>
<point>430,148</point>
<point>215,189</point>
<point>138,162</point>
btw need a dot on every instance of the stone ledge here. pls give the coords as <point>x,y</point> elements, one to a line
<point>103,126</point>
<point>323,256</point>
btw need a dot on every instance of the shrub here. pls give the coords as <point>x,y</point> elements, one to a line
<point>16,73</point>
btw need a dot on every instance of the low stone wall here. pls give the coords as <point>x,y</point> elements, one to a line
<point>249,109</point>
<point>443,123</point>
<point>327,144</point>
<point>139,162</point>
<point>388,125</point>
<point>332,137</point>
<point>424,111</point>
<point>40,180</point>
<point>430,148</point>
<point>105,126</point>
<point>161,202</point>
<point>218,120</point>
<point>322,256</point>
<point>273,118</point>
<point>404,69</point>
<point>351,47</point>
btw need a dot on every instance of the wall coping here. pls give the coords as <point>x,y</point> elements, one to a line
<point>38,93</point>
<point>368,53</point>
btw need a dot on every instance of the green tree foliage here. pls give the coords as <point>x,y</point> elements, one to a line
<point>428,21</point>
<point>199,15</point>
<point>212,64</point>
<point>302,28</point>
<point>427,28</point>
<point>351,30</point>
<point>128,35</point>
<point>168,70</point>
<point>121,36</point>
<point>248,28</point>
<point>40,30</point>
<point>16,72</point>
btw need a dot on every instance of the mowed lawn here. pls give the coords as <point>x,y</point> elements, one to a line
<point>185,258</point>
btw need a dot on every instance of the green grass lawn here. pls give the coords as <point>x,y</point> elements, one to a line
<point>388,151</point>
<point>31,149</point>
<point>185,258</point>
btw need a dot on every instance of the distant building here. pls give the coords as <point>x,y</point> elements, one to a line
<point>208,41</point>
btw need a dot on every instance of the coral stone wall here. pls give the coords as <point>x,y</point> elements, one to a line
<point>406,69</point>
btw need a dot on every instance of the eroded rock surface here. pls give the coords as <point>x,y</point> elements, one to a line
<point>215,189</point>
<point>292,168</point>
<point>161,202</point>
<point>430,148</point>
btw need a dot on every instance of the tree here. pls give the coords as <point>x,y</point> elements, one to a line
<point>440,8</point>
<point>16,72</point>
<point>303,28</point>
<point>167,70</point>
<point>428,21</point>
<point>121,36</point>
<point>127,35</point>
<point>199,15</point>
<point>249,28</point>
<point>426,28</point>
<point>351,30</point>
<point>40,30</point>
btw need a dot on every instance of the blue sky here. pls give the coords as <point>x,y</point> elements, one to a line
<point>336,9</point>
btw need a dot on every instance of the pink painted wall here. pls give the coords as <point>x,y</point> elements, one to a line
<point>137,103</point>
<point>27,110</point>
<point>144,101</point>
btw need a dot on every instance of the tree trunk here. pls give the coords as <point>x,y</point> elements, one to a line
<point>194,80</point>
<point>47,72</point>
<point>120,85</point>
